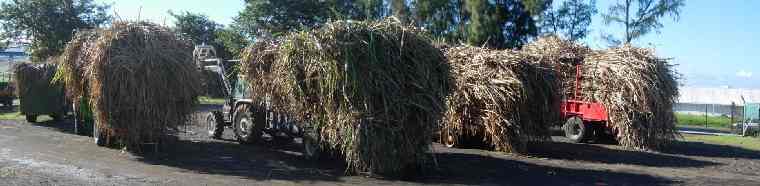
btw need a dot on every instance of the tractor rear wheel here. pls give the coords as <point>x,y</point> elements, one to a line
<point>576,130</point>
<point>248,129</point>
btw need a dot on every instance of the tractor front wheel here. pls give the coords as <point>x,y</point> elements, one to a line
<point>576,130</point>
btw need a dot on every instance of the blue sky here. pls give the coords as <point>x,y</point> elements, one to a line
<point>714,43</point>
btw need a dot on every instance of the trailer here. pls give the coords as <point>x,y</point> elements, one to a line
<point>583,120</point>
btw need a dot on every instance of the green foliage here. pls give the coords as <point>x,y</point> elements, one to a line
<point>231,40</point>
<point>640,17</point>
<point>198,27</point>
<point>275,17</point>
<point>571,19</point>
<point>440,18</point>
<point>49,24</point>
<point>496,24</point>
<point>228,42</point>
<point>699,120</point>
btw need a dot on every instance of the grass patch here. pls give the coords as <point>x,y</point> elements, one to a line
<point>736,141</point>
<point>211,101</point>
<point>699,120</point>
<point>11,116</point>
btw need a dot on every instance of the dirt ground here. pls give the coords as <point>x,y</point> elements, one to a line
<point>50,154</point>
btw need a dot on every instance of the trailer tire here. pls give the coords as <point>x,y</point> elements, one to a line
<point>311,149</point>
<point>449,139</point>
<point>576,130</point>
<point>31,118</point>
<point>215,124</point>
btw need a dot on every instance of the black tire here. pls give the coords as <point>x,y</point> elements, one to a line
<point>215,124</point>
<point>248,129</point>
<point>576,130</point>
<point>31,118</point>
<point>311,149</point>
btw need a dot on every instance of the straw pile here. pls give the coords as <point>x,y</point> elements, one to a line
<point>369,91</point>
<point>499,97</point>
<point>139,79</point>
<point>637,88</point>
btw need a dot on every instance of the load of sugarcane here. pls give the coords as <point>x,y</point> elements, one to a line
<point>637,88</point>
<point>498,99</point>
<point>37,94</point>
<point>369,92</point>
<point>139,78</point>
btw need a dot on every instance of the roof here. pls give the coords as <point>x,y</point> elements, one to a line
<point>721,96</point>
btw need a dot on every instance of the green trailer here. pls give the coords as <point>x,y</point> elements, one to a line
<point>37,94</point>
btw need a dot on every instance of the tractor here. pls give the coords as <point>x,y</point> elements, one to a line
<point>251,119</point>
<point>583,120</point>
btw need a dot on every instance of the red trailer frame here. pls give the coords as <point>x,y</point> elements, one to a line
<point>582,118</point>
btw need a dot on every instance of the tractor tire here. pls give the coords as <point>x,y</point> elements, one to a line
<point>215,124</point>
<point>576,130</point>
<point>31,118</point>
<point>248,129</point>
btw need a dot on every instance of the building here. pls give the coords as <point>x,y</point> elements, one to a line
<point>715,101</point>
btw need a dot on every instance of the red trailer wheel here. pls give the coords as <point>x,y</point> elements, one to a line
<point>576,130</point>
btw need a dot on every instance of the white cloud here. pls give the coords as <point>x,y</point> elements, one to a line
<point>744,74</point>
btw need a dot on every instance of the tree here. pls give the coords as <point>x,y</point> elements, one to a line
<point>232,40</point>
<point>275,17</point>
<point>502,23</point>
<point>440,18</point>
<point>198,27</point>
<point>49,24</point>
<point>640,17</point>
<point>571,19</point>
<point>400,9</point>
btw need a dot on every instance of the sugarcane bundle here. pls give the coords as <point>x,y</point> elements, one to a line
<point>638,90</point>
<point>139,78</point>
<point>368,91</point>
<point>558,54</point>
<point>34,87</point>
<point>500,98</point>
<point>212,84</point>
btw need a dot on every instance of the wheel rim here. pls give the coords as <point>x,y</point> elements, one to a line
<point>245,124</point>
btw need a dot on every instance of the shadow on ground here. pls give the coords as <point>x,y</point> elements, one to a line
<point>476,169</point>
<point>689,148</point>
<point>599,154</point>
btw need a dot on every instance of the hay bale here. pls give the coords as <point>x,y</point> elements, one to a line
<point>500,98</point>
<point>368,91</point>
<point>37,93</point>
<point>638,90</point>
<point>139,78</point>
